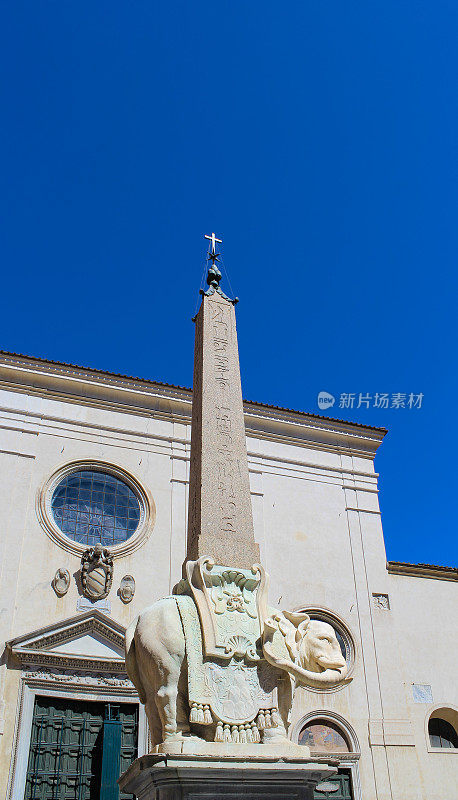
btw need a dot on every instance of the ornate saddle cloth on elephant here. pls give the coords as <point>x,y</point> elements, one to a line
<point>229,682</point>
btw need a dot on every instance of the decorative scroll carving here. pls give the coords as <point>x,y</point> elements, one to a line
<point>86,679</point>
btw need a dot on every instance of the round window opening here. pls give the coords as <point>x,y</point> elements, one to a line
<point>342,634</point>
<point>344,645</point>
<point>92,506</point>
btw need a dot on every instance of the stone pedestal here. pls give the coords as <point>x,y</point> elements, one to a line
<point>184,777</point>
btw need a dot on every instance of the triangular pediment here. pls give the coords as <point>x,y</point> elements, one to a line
<point>89,644</point>
<point>86,640</point>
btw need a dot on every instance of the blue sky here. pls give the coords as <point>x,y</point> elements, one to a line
<point>319,139</point>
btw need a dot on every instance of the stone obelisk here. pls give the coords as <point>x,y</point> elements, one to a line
<point>212,665</point>
<point>220,520</point>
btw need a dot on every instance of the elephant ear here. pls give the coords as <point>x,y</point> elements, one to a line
<point>300,620</point>
<point>296,617</point>
<point>294,632</point>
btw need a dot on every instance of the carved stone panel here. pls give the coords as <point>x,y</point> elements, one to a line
<point>381,601</point>
<point>232,605</point>
<point>61,582</point>
<point>127,588</point>
<point>327,786</point>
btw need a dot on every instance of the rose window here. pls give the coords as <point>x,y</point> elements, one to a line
<point>91,506</point>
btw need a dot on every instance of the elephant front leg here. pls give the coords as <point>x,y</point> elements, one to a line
<point>275,734</point>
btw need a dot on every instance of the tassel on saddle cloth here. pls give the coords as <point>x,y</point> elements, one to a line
<point>239,697</point>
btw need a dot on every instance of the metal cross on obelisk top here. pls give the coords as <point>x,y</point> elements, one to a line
<point>220,522</point>
<point>213,240</point>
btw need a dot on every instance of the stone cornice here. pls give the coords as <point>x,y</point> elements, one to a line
<point>87,386</point>
<point>423,570</point>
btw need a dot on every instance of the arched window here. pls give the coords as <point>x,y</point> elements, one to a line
<point>324,736</point>
<point>442,732</point>
<point>328,735</point>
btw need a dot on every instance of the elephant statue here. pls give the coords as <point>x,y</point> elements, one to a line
<point>293,646</point>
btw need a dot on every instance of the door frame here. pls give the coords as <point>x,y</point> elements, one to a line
<point>88,687</point>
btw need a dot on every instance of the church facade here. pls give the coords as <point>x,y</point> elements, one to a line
<point>89,457</point>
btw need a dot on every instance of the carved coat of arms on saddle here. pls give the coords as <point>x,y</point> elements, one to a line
<point>229,681</point>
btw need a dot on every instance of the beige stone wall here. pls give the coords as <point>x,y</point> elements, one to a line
<point>317,521</point>
<point>424,613</point>
<point>40,436</point>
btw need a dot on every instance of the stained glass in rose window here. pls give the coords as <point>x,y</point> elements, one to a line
<point>91,506</point>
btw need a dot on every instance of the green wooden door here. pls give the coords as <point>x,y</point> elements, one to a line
<point>111,753</point>
<point>74,745</point>
<point>336,788</point>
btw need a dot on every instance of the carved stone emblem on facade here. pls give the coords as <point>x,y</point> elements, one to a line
<point>61,582</point>
<point>127,588</point>
<point>381,601</point>
<point>96,572</point>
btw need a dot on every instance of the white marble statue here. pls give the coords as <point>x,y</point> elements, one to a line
<point>214,662</point>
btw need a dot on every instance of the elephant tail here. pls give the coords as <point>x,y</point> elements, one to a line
<point>131,660</point>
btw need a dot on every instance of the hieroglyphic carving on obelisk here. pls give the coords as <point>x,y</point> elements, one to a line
<point>220,521</point>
